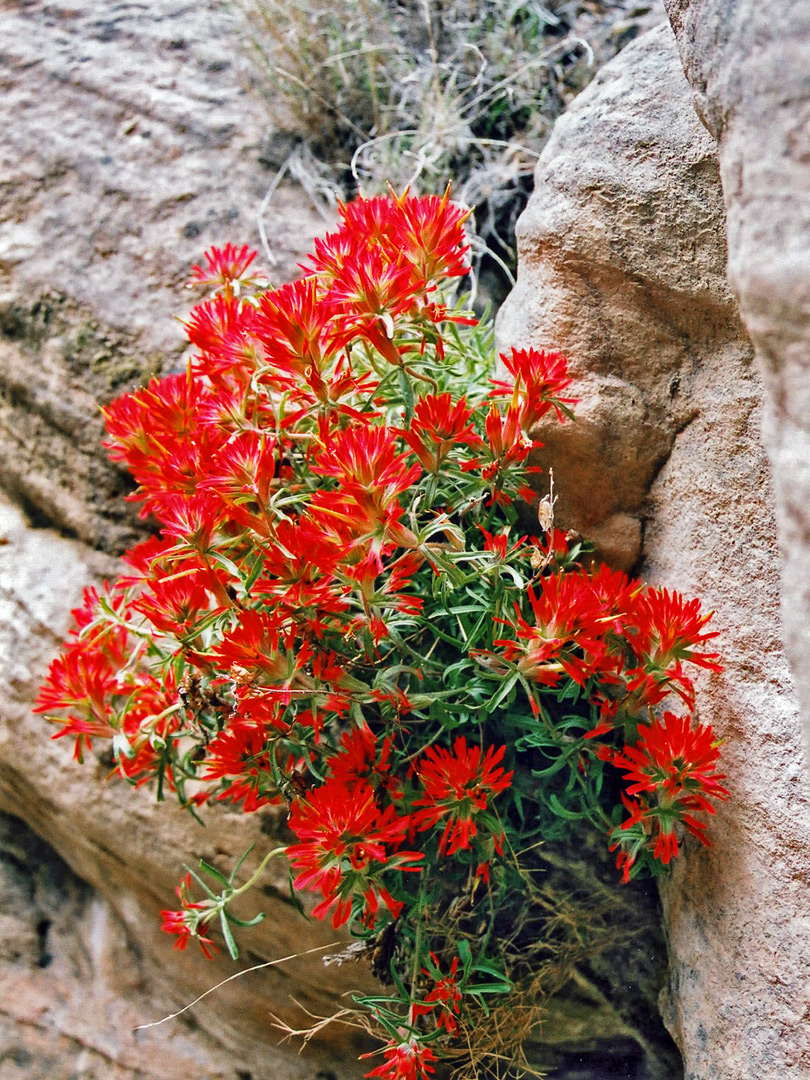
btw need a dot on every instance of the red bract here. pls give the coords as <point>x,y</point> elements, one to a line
<point>361,761</point>
<point>370,292</point>
<point>673,775</point>
<point>405,1061</point>
<point>432,235</point>
<point>292,324</point>
<point>539,379</point>
<point>664,631</point>
<point>427,231</point>
<point>669,628</point>
<point>446,995</point>
<point>157,433</point>
<point>219,328</point>
<point>189,921</point>
<point>458,785</point>
<point>348,843</point>
<point>439,423</point>
<point>676,761</point>
<point>245,755</point>
<point>568,634</point>
<point>173,605</point>
<point>259,650</point>
<point>227,268</point>
<point>371,474</point>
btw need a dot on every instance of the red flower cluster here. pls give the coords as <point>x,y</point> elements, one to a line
<point>458,785</point>
<point>347,844</point>
<point>676,764</point>
<point>190,921</point>
<point>329,604</point>
<point>409,1060</point>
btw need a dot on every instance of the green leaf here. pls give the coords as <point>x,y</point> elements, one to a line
<point>407,396</point>
<point>503,692</point>
<point>214,873</point>
<point>226,933</point>
<point>238,864</point>
<point>247,922</point>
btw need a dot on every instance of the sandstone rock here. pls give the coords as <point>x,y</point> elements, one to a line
<point>747,64</point>
<point>645,291</point>
<point>134,147</point>
<point>68,1004</point>
<point>622,267</point>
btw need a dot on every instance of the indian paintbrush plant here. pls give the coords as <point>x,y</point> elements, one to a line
<point>342,615</point>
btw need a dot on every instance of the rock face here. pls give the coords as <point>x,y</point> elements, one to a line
<point>622,257</point>
<point>747,64</point>
<point>134,148</point>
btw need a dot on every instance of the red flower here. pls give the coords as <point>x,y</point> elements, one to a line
<point>157,432</point>
<point>244,754</point>
<point>675,761</point>
<point>432,235</point>
<point>458,785</point>
<point>174,605</point>
<point>215,325</point>
<point>539,379</point>
<point>437,426</point>
<point>665,630</point>
<point>371,475</point>
<point>347,843</point>
<point>293,324</point>
<point>370,292</point>
<point>674,765</point>
<point>190,920</point>
<point>227,268</point>
<point>427,231</point>
<point>360,761</point>
<point>260,651</point>
<point>568,635</point>
<point>83,680</point>
<point>405,1061</point>
<point>446,994</point>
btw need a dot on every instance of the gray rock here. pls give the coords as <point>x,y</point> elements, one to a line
<point>622,255</point>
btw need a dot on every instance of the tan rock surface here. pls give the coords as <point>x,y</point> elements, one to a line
<point>134,147</point>
<point>622,267</point>
<point>747,63</point>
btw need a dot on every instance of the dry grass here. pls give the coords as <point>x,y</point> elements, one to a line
<point>421,92</point>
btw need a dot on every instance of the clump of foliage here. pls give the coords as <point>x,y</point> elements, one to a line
<point>341,615</point>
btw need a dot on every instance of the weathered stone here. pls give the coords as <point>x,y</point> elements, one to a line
<point>747,63</point>
<point>134,147</point>
<point>622,268</point>
<point>645,291</point>
<point>74,984</point>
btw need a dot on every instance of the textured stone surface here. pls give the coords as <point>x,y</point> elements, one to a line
<point>134,147</point>
<point>747,63</point>
<point>622,267</point>
<point>68,1004</point>
<point>627,212</point>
